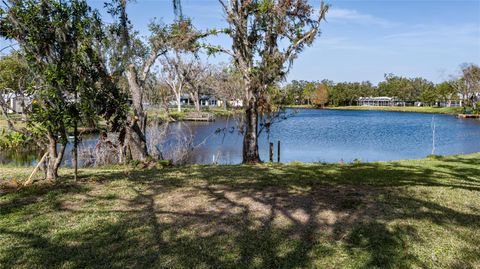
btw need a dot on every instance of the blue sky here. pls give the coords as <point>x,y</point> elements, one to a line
<point>361,40</point>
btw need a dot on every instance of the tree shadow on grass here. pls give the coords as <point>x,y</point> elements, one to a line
<point>17,202</point>
<point>282,216</point>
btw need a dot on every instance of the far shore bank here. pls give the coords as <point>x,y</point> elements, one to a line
<point>153,114</point>
<point>174,115</point>
<point>415,109</point>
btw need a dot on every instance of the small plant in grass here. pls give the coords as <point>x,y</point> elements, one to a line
<point>165,163</point>
<point>111,196</point>
<point>356,161</point>
<point>134,163</point>
<point>434,157</point>
<point>177,115</point>
<point>351,203</point>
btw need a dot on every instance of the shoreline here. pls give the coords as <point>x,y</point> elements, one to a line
<point>13,172</point>
<point>265,162</point>
<point>429,110</point>
<point>409,109</point>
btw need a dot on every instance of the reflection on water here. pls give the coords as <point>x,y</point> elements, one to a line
<point>341,135</point>
<point>328,136</point>
<point>19,157</point>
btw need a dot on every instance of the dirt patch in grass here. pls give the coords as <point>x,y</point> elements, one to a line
<point>209,209</point>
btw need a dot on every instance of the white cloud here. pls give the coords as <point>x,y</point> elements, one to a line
<point>440,38</point>
<point>341,43</point>
<point>446,32</point>
<point>353,16</point>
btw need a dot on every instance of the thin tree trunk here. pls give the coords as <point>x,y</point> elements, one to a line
<point>10,125</point>
<point>165,103</point>
<point>179,105</point>
<point>250,140</point>
<point>196,100</point>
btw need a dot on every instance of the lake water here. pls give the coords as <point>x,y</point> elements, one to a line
<point>343,135</point>
<point>328,136</point>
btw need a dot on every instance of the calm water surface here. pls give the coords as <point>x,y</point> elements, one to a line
<point>328,136</point>
<point>343,135</point>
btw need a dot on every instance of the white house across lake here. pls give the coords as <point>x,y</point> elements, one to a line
<point>392,101</point>
<point>376,101</point>
<point>16,103</point>
<point>207,101</point>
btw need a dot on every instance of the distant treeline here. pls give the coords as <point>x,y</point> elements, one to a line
<point>465,87</point>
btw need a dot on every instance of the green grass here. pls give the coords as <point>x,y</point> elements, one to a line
<point>301,106</point>
<point>406,214</point>
<point>221,112</point>
<point>16,119</point>
<point>439,110</point>
<point>173,114</point>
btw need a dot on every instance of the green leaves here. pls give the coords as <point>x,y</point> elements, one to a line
<point>14,73</point>
<point>265,6</point>
<point>59,40</point>
<point>268,35</point>
<point>12,140</point>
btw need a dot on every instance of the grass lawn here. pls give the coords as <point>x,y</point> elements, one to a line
<point>174,114</point>
<point>440,110</point>
<point>17,121</point>
<point>407,214</point>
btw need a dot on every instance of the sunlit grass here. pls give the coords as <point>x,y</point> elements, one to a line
<point>175,115</point>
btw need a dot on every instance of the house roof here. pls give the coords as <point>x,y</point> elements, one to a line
<point>378,98</point>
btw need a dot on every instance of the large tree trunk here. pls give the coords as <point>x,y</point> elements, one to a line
<point>54,157</point>
<point>136,139</point>
<point>250,139</point>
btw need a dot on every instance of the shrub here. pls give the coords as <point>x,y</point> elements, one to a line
<point>13,140</point>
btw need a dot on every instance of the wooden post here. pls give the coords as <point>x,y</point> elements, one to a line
<point>75,151</point>
<point>75,142</point>
<point>271,152</point>
<point>30,178</point>
<point>278,151</point>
